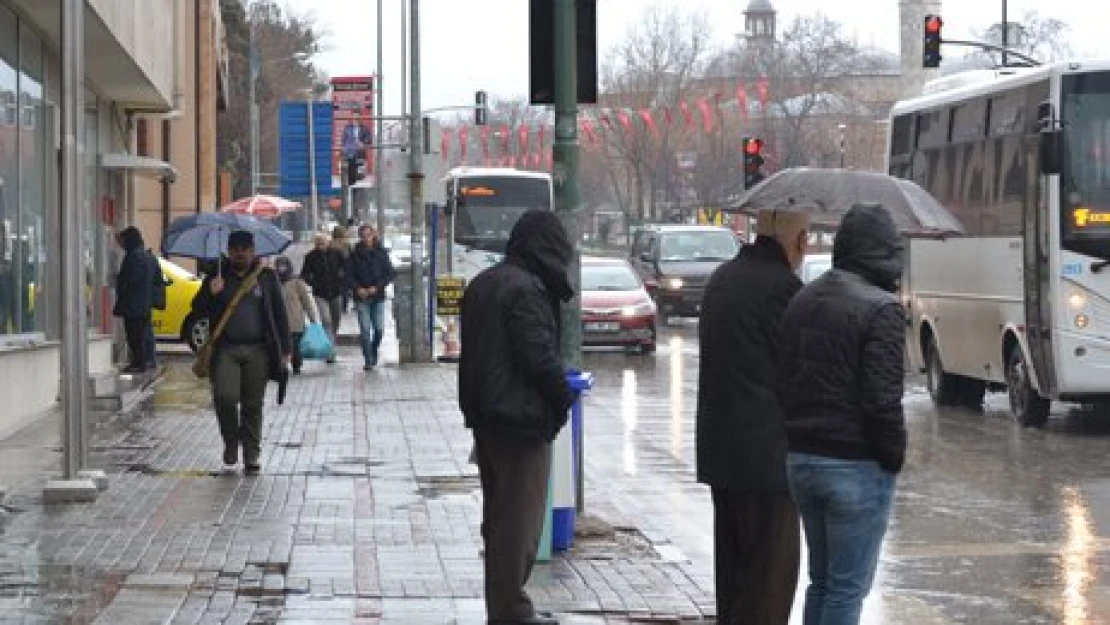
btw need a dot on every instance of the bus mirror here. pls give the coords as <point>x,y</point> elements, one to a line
<point>1050,152</point>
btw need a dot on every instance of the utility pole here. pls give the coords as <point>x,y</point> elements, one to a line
<point>255,71</point>
<point>314,203</point>
<point>419,347</point>
<point>565,170</point>
<point>1005,33</point>
<point>379,169</point>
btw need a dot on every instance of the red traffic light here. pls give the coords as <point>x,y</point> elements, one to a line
<point>753,146</point>
<point>933,24</point>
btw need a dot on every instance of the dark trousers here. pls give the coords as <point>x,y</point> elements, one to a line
<point>514,474</point>
<point>295,358</point>
<point>757,555</point>
<point>136,330</point>
<point>239,377</point>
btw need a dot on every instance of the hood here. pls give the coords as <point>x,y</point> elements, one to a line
<point>868,244</point>
<point>131,238</point>
<point>539,244</point>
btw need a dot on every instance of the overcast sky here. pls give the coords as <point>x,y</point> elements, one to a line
<point>483,44</point>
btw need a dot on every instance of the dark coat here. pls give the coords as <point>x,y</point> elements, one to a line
<point>326,272</point>
<point>741,443</point>
<point>511,378</point>
<point>370,267</point>
<point>843,349</point>
<point>135,282</point>
<point>279,342</point>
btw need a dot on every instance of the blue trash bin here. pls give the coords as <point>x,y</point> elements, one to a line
<point>563,516</point>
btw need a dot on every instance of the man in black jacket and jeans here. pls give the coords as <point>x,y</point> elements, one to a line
<point>741,443</point>
<point>135,298</point>
<point>841,385</point>
<point>369,272</point>
<point>514,395</point>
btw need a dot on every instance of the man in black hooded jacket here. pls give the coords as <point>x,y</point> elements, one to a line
<point>134,297</point>
<point>514,396</point>
<point>840,387</point>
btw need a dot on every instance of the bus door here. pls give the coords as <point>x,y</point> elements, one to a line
<point>1037,278</point>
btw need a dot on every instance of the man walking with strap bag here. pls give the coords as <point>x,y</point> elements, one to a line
<point>249,345</point>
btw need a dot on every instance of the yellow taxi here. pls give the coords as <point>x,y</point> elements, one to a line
<point>177,321</point>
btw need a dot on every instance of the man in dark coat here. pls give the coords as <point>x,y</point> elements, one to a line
<point>841,384</point>
<point>325,270</point>
<point>254,348</point>
<point>741,444</point>
<point>369,272</point>
<point>514,395</point>
<point>134,298</point>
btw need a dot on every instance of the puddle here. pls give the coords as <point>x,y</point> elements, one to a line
<point>56,593</point>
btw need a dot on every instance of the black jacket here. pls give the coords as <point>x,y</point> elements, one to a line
<point>741,443</point>
<point>842,367</point>
<point>370,267</point>
<point>279,342</point>
<point>135,282</point>
<point>326,272</point>
<point>511,379</point>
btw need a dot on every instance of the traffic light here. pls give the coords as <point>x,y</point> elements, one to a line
<point>930,57</point>
<point>480,108</point>
<point>753,161</point>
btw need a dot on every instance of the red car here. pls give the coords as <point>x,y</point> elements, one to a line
<point>616,309</point>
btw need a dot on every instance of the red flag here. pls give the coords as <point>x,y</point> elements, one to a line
<point>687,114</point>
<point>542,132</point>
<point>536,160</point>
<point>485,143</point>
<point>512,161</point>
<point>505,138</point>
<point>550,161</point>
<point>763,86</point>
<point>670,116</point>
<point>625,121</point>
<point>742,101</point>
<point>649,121</point>
<point>464,134</point>
<point>445,144</point>
<point>588,130</point>
<point>522,135</point>
<point>706,114</point>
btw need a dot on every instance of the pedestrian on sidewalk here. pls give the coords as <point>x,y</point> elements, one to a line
<point>298,305</point>
<point>370,271</point>
<point>340,243</point>
<point>514,395</point>
<point>325,270</point>
<point>135,298</point>
<point>841,382</point>
<point>254,347</point>
<point>741,442</point>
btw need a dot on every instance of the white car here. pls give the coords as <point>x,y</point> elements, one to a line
<point>813,266</point>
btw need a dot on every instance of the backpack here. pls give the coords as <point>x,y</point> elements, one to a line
<point>158,284</point>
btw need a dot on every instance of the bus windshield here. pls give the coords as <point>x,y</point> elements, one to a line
<point>1085,182</point>
<point>487,208</point>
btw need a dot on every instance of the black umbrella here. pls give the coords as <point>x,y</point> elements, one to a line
<point>826,194</point>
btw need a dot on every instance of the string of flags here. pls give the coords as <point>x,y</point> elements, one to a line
<point>518,150</point>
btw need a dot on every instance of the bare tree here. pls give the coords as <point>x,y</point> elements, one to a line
<point>1043,38</point>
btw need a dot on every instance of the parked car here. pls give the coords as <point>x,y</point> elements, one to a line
<point>675,262</point>
<point>177,322</point>
<point>813,266</point>
<point>616,308</point>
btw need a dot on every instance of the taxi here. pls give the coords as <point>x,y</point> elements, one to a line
<point>177,322</point>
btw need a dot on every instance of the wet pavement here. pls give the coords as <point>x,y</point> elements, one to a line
<point>367,511</point>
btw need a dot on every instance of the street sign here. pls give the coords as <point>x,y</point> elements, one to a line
<point>449,293</point>
<point>296,181</point>
<point>352,101</point>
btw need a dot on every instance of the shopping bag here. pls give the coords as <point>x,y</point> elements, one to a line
<point>315,344</point>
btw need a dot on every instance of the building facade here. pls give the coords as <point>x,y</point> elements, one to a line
<point>134,69</point>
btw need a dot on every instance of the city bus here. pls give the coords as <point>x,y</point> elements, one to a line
<point>482,206</point>
<point>1021,301</point>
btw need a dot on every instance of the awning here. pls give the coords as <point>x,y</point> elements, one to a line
<point>139,165</point>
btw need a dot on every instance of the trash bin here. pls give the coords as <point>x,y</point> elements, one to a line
<point>565,473</point>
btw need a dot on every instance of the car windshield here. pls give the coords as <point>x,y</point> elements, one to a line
<point>698,245</point>
<point>609,278</point>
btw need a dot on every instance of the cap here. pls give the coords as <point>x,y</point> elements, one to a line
<point>240,238</point>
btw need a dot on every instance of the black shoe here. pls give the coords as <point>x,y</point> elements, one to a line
<point>231,456</point>
<point>296,371</point>
<point>253,468</point>
<point>331,361</point>
<point>134,369</point>
<point>367,367</point>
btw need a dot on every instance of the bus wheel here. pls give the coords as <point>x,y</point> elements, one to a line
<point>1029,408</point>
<point>943,387</point>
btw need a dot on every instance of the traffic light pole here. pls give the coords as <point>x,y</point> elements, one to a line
<point>419,349</point>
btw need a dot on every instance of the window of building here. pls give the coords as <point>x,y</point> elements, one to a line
<point>11,299</point>
<point>30,249</point>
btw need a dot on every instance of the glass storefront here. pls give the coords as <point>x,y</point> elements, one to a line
<point>23,164</point>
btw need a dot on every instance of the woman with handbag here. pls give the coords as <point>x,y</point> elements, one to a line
<point>249,345</point>
<point>298,305</point>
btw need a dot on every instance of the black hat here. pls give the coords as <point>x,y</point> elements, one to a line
<point>240,238</point>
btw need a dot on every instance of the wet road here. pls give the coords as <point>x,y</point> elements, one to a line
<point>992,523</point>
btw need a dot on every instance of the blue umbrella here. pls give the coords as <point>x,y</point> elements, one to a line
<point>205,235</point>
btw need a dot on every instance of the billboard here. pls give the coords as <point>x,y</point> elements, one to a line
<point>352,103</point>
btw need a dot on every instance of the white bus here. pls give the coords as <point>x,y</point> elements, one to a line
<point>483,204</point>
<point>1022,301</point>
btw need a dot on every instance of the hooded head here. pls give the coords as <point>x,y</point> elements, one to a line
<point>284,268</point>
<point>130,238</point>
<point>868,244</point>
<point>539,243</point>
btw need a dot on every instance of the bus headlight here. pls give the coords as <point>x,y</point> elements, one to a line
<point>1077,300</point>
<point>1082,321</point>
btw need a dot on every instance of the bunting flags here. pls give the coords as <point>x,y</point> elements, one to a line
<point>464,134</point>
<point>706,114</point>
<point>687,114</point>
<point>625,120</point>
<point>649,121</point>
<point>506,137</point>
<point>445,144</point>
<point>588,130</point>
<point>742,101</point>
<point>523,132</point>
<point>484,135</point>
<point>763,87</point>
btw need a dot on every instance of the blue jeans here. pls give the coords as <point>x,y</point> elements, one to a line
<point>371,319</point>
<point>845,506</point>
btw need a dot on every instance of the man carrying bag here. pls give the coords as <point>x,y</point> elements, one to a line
<point>249,345</point>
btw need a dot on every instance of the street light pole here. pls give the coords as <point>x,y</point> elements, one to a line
<point>565,170</point>
<point>1005,33</point>
<point>314,202</point>
<point>379,170</point>
<point>842,128</point>
<point>419,351</point>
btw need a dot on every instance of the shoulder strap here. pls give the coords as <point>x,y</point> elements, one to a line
<point>244,288</point>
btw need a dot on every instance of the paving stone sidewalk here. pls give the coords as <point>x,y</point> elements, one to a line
<point>366,512</point>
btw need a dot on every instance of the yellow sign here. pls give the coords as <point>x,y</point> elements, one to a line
<point>449,294</point>
<point>484,191</point>
<point>710,217</point>
<point>1085,217</point>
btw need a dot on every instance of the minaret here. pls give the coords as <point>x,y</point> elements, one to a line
<point>759,22</point>
<point>911,20</point>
